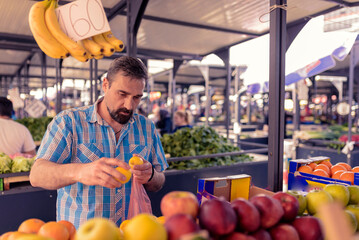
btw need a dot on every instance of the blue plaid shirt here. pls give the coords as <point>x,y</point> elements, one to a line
<point>81,136</point>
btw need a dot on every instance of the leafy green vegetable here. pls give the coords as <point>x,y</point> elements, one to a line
<point>21,164</point>
<point>5,163</point>
<point>199,141</point>
<point>36,126</point>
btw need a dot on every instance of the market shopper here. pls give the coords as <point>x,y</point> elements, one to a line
<point>14,137</point>
<point>182,119</point>
<point>82,147</point>
<point>164,122</point>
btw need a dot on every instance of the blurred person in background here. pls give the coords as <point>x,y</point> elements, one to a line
<point>14,137</point>
<point>164,122</point>
<point>182,119</point>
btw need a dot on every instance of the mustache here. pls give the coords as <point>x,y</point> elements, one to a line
<point>124,110</point>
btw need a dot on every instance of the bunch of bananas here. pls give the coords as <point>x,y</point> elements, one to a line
<point>56,44</point>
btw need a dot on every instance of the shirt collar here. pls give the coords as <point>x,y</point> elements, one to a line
<point>95,117</point>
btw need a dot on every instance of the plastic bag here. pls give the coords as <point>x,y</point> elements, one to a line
<point>139,200</point>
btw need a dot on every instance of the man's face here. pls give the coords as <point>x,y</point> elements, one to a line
<point>122,97</point>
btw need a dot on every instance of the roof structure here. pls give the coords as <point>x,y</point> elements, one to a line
<point>182,30</point>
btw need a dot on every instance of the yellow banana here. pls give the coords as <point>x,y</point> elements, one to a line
<point>92,47</point>
<point>54,27</point>
<point>115,42</point>
<point>47,43</point>
<point>98,56</point>
<point>82,58</point>
<point>108,49</point>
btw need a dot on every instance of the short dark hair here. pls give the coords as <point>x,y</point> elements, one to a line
<point>6,107</point>
<point>131,67</point>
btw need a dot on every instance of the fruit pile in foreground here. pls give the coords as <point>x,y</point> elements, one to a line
<point>261,217</point>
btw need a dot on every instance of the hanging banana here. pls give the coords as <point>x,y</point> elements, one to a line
<point>82,58</point>
<point>115,42</point>
<point>92,47</point>
<point>54,27</point>
<point>47,43</point>
<point>108,49</point>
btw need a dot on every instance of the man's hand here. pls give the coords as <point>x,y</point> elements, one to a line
<point>142,172</point>
<point>102,172</point>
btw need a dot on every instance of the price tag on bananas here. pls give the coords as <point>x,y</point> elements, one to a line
<point>82,19</point>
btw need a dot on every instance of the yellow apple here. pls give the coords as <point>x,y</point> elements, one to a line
<point>32,237</point>
<point>354,209</point>
<point>352,219</point>
<point>316,198</point>
<point>97,228</point>
<point>144,227</point>
<point>340,193</point>
<point>354,194</point>
<point>179,202</point>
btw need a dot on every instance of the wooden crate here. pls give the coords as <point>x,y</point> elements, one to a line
<point>10,179</point>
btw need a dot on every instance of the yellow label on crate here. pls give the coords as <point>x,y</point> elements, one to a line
<point>240,188</point>
<point>315,185</point>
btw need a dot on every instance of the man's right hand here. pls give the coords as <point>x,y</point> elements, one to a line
<point>102,172</point>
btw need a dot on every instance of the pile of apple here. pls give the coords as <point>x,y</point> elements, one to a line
<point>261,217</point>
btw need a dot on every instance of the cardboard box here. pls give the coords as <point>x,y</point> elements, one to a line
<point>230,187</point>
<point>305,182</point>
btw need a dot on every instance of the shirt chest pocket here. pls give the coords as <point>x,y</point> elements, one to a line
<point>141,150</point>
<point>89,152</point>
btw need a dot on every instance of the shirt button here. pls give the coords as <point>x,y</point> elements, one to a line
<point>118,190</point>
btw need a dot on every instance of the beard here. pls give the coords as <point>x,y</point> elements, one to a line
<point>119,117</point>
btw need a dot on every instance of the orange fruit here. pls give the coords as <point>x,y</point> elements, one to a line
<point>335,168</point>
<point>126,173</point>
<point>327,162</point>
<point>312,165</point>
<point>70,227</point>
<point>161,219</point>
<point>31,225</point>
<point>305,169</point>
<point>355,169</point>
<point>54,230</point>
<point>346,165</point>
<point>5,236</point>
<point>135,160</point>
<point>124,224</point>
<point>337,174</point>
<point>320,172</point>
<point>324,167</point>
<point>347,176</point>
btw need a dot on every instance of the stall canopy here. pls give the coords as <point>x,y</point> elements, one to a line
<point>185,30</point>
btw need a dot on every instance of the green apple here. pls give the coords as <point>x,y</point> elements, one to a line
<point>354,194</point>
<point>340,193</point>
<point>97,228</point>
<point>301,199</point>
<point>354,209</point>
<point>352,219</point>
<point>316,198</point>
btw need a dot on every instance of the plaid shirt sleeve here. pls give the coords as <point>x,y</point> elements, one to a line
<point>57,143</point>
<point>157,155</point>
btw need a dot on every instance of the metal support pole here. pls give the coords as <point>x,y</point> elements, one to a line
<point>224,55</point>
<point>276,94</point>
<point>58,85</point>
<point>135,12</point>
<point>91,81</point>
<point>205,73</point>
<point>296,118</point>
<point>97,80</point>
<point>249,108</point>
<point>43,80</point>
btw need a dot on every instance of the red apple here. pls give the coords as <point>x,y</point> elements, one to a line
<point>290,205</point>
<point>284,231</point>
<point>179,202</point>
<point>269,208</point>
<point>239,236</point>
<point>180,224</point>
<point>218,217</point>
<point>308,228</point>
<point>248,217</point>
<point>261,234</point>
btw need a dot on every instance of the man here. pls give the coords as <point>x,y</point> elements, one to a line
<point>14,137</point>
<point>82,147</point>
